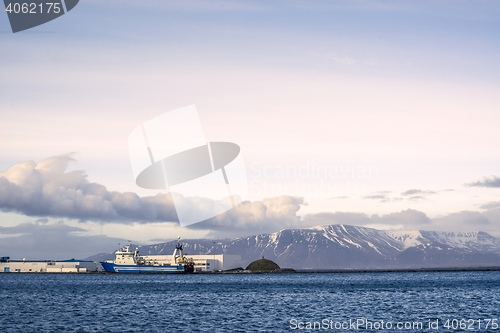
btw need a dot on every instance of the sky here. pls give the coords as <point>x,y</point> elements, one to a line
<point>374,113</point>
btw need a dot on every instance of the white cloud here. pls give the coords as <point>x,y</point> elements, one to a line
<point>46,189</point>
<point>249,218</point>
<point>493,182</point>
<point>408,217</point>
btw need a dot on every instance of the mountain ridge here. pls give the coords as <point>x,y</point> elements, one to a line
<point>347,247</point>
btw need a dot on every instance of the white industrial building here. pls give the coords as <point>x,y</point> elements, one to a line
<point>64,266</point>
<point>202,262</point>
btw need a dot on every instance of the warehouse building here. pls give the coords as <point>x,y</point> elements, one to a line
<point>202,262</point>
<point>47,266</point>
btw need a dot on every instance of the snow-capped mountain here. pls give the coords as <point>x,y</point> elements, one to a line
<point>480,241</point>
<point>320,247</point>
<point>344,246</point>
<point>445,249</point>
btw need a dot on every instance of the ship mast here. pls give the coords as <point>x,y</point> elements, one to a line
<point>178,248</point>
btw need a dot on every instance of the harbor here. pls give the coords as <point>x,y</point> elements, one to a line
<point>129,261</point>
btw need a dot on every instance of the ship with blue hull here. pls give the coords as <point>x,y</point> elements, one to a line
<point>128,261</point>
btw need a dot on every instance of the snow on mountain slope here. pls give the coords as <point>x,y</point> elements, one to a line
<point>407,238</point>
<point>480,241</point>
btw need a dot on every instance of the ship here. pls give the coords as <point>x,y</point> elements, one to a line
<point>128,261</point>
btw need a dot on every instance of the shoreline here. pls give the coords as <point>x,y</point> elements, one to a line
<point>405,270</point>
<point>306,271</point>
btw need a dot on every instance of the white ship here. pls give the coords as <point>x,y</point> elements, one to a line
<point>127,261</point>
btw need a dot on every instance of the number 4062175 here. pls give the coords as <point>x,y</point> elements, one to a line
<point>471,324</point>
<point>33,8</point>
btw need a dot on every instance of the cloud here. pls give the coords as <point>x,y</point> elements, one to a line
<point>469,219</point>
<point>414,192</point>
<point>35,241</point>
<point>248,218</point>
<point>280,213</point>
<point>46,189</point>
<point>491,205</point>
<point>36,228</point>
<point>408,217</point>
<point>417,194</point>
<point>493,182</point>
<point>411,195</point>
<point>341,197</point>
<point>40,240</point>
<point>161,240</point>
<point>383,196</point>
<point>337,218</point>
<point>417,198</point>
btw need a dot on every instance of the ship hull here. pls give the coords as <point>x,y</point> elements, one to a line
<point>113,268</point>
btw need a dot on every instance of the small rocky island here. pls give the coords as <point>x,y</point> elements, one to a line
<point>263,265</point>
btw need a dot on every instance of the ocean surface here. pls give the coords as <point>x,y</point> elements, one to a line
<point>359,302</point>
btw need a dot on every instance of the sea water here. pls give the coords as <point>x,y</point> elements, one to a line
<point>323,302</point>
